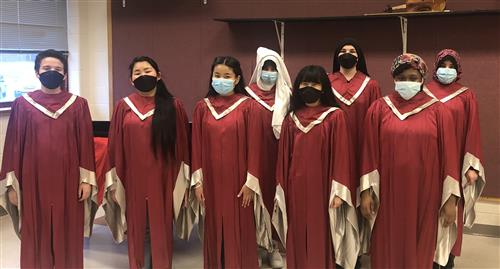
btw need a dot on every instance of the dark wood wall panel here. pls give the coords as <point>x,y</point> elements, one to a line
<point>183,37</point>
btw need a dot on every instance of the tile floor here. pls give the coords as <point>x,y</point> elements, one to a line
<point>101,252</point>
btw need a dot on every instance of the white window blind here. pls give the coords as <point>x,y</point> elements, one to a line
<point>33,25</point>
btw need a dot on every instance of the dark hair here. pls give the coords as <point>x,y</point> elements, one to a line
<point>448,58</point>
<point>269,63</point>
<point>53,54</point>
<point>361,65</point>
<point>163,129</point>
<point>400,69</point>
<point>234,64</point>
<point>312,73</point>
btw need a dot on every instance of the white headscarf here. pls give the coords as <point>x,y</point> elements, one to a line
<point>283,86</point>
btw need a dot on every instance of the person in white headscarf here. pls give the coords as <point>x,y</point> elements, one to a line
<point>270,86</point>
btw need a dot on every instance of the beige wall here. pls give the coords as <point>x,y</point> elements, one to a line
<point>88,50</point>
<point>4,119</point>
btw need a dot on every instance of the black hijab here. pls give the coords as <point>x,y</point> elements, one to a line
<point>360,66</point>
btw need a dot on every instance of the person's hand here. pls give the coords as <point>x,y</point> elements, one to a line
<point>198,191</point>
<point>247,194</point>
<point>449,211</point>
<point>12,196</point>
<point>336,203</point>
<point>83,191</point>
<point>367,206</point>
<point>471,176</point>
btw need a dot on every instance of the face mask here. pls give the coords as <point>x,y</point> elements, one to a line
<point>348,60</point>
<point>269,77</point>
<point>309,94</point>
<point>446,75</point>
<point>408,89</point>
<point>145,83</point>
<point>223,86</point>
<point>51,79</point>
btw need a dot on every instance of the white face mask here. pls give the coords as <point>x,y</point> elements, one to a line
<point>446,75</point>
<point>407,89</point>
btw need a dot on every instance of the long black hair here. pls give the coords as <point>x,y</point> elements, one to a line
<point>361,65</point>
<point>234,64</point>
<point>163,127</point>
<point>312,73</point>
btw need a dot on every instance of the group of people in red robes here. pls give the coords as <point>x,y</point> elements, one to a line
<point>323,167</point>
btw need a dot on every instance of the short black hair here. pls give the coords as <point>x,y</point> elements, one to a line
<point>51,53</point>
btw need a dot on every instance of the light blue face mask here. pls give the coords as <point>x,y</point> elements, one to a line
<point>269,77</point>
<point>408,89</point>
<point>223,86</point>
<point>446,75</point>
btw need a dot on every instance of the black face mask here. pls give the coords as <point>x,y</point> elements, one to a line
<point>348,60</point>
<point>309,94</point>
<point>145,83</point>
<point>51,79</point>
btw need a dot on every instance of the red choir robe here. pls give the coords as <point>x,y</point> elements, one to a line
<point>354,98</point>
<point>219,162</point>
<point>101,159</point>
<point>408,162</point>
<point>461,101</point>
<point>263,153</point>
<point>313,167</point>
<point>145,185</point>
<point>48,152</point>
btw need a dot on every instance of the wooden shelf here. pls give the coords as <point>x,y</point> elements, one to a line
<point>364,16</point>
<point>401,16</point>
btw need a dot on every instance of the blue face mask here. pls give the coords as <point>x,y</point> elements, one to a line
<point>269,77</point>
<point>408,89</point>
<point>223,86</point>
<point>446,75</point>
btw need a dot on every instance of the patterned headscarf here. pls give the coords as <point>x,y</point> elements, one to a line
<point>446,53</point>
<point>413,60</point>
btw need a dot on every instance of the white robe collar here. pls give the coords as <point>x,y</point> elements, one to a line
<point>403,116</point>
<point>136,111</point>
<point>319,120</point>
<point>47,112</point>
<point>447,98</point>
<point>224,113</point>
<point>258,99</point>
<point>355,96</point>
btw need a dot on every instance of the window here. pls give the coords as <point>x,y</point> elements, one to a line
<point>17,75</point>
<point>26,28</point>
